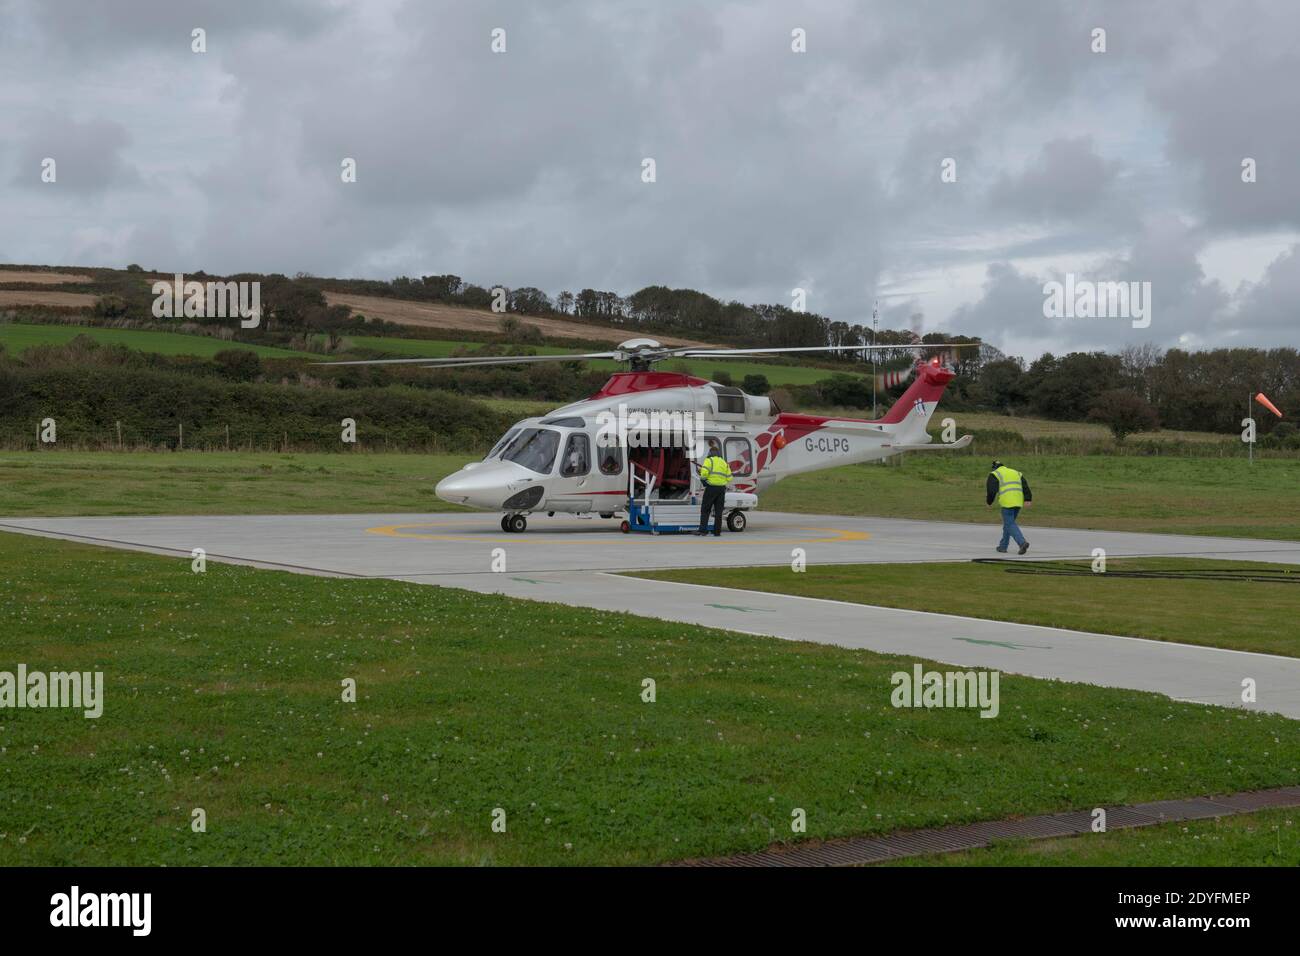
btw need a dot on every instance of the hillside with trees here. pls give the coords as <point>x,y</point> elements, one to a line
<point>1135,390</point>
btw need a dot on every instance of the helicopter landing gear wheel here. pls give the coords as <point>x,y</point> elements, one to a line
<point>515,524</point>
<point>736,521</point>
<point>624,526</point>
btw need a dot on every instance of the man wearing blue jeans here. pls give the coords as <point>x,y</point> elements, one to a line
<point>1010,489</point>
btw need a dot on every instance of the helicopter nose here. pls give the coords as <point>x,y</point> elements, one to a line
<point>480,486</point>
<point>458,488</point>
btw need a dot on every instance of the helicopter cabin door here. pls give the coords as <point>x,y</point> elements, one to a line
<point>576,479</point>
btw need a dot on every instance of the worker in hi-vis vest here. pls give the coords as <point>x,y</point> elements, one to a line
<point>715,474</point>
<point>1010,489</point>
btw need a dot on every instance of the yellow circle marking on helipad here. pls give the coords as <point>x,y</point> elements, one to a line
<point>614,537</point>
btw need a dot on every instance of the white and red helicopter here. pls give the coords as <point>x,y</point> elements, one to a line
<point>580,460</point>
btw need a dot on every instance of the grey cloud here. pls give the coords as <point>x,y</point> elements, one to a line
<point>88,156</point>
<point>1239,99</point>
<point>775,169</point>
<point>1066,179</point>
<point>81,28</point>
<point>1268,311</point>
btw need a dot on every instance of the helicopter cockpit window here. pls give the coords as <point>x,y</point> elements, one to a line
<point>505,440</point>
<point>534,448</point>
<point>577,456</point>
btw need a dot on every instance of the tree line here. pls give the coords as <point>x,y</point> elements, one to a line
<point>1138,389</point>
<point>1205,390</point>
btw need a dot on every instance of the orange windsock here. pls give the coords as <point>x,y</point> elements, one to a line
<point>1267,404</point>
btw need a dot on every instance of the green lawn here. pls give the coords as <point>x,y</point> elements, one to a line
<point>425,348</point>
<point>223,692</point>
<point>1266,838</point>
<point>16,337</point>
<point>1213,496</point>
<point>1241,615</point>
<point>1173,495</point>
<point>1032,428</point>
<point>52,483</point>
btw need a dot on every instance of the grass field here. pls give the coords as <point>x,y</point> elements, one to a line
<point>16,337</point>
<point>223,692</point>
<point>1266,838</point>
<point>1240,615</point>
<point>42,277</point>
<point>1032,428</point>
<point>1213,496</point>
<point>19,336</point>
<point>134,483</point>
<point>425,348</point>
<point>62,300</point>
<point>1174,495</point>
<point>439,315</point>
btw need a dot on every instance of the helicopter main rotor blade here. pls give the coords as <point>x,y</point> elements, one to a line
<point>701,353</point>
<point>433,362</point>
<point>644,354</point>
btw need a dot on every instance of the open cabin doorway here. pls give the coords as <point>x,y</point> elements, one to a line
<point>670,467</point>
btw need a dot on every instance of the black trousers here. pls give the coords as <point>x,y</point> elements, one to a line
<point>715,497</point>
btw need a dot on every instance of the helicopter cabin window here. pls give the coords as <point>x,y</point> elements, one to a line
<point>731,400</point>
<point>740,457</point>
<point>505,440</point>
<point>577,456</point>
<point>534,449</point>
<point>611,460</point>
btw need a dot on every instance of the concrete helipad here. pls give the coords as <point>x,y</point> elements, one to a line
<point>567,560</point>
<point>405,545</point>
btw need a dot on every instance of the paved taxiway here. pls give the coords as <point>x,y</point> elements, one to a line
<point>568,560</point>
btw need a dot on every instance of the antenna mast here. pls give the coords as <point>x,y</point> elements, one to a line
<point>875,320</point>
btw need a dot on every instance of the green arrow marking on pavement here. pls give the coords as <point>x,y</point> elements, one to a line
<point>736,607</point>
<point>1014,647</point>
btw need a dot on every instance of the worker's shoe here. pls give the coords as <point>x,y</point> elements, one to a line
<point>698,534</point>
<point>1000,550</point>
<point>1024,547</point>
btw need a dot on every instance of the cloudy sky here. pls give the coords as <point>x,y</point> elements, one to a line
<point>774,169</point>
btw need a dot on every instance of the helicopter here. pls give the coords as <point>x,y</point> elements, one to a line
<point>641,436</point>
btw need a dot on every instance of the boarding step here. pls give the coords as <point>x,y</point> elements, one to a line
<point>675,513</point>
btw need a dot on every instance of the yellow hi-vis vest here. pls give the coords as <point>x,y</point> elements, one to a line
<point>1011,493</point>
<point>715,470</point>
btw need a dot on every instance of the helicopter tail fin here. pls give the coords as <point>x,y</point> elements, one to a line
<point>913,410</point>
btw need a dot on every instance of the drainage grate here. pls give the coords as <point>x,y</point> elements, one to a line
<point>856,851</point>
